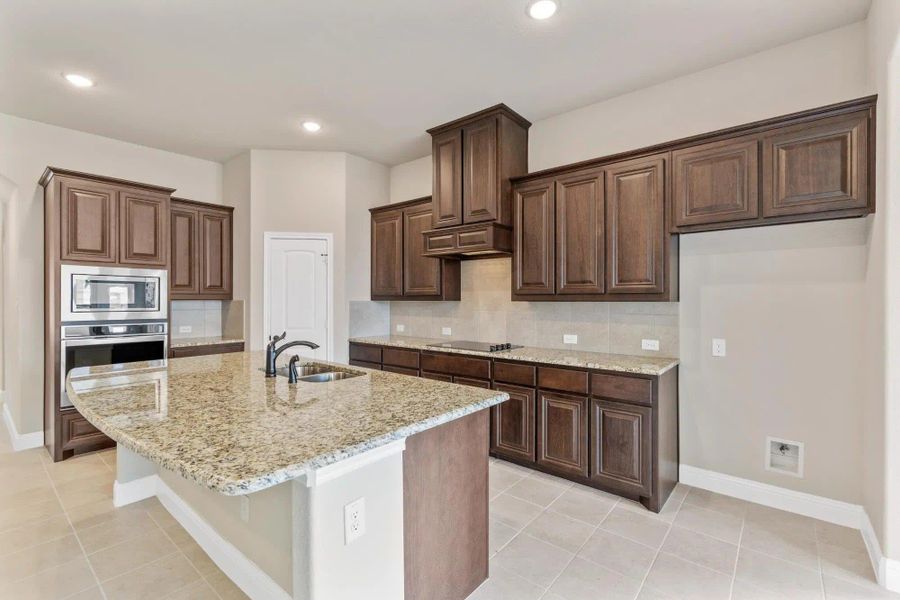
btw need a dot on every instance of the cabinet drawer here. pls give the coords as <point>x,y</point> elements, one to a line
<point>563,379</point>
<point>401,370</point>
<point>437,376</point>
<point>614,387</point>
<point>367,365</point>
<point>477,368</point>
<point>365,353</point>
<point>400,358</point>
<point>479,383</point>
<point>513,373</point>
<point>77,432</point>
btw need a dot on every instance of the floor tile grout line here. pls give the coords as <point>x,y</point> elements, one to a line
<point>187,558</point>
<point>77,539</point>
<point>659,550</point>
<point>737,557</point>
<point>580,548</point>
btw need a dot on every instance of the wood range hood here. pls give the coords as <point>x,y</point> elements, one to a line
<point>474,158</point>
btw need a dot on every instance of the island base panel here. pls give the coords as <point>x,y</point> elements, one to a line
<point>445,502</point>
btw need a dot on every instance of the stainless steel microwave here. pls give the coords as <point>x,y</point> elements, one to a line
<point>112,294</point>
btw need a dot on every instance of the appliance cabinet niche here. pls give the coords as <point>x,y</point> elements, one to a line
<point>399,269</point>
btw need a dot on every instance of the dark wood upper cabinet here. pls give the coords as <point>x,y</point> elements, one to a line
<point>635,226</point>
<point>387,253</point>
<point>815,167</point>
<point>185,258</point>
<point>421,275</point>
<point>200,241</point>
<point>580,229</point>
<point>473,160</point>
<point>621,446</point>
<point>481,181</point>
<point>143,227</point>
<point>533,249</point>
<point>399,268</point>
<point>215,253</point>
<point>512,423</point>
<point>716,182</point>
<point>562,436</point>
<point>88,220</point>
<point>447,153</point>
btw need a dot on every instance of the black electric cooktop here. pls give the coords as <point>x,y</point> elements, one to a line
<point>476,346</point>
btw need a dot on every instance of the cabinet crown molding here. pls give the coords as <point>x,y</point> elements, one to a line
<point>51,172</point>
<point>476,116</point>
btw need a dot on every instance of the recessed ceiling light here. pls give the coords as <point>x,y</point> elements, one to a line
<point>311,126</point>
<point>542,9</point>
<point>78,80</point>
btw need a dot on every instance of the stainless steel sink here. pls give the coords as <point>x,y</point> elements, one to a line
<point>328,376</point>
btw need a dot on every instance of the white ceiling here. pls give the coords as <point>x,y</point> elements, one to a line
<point>211,78</point>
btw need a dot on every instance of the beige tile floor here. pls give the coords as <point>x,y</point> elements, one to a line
<point>554,540</point>
<point>60,537</point>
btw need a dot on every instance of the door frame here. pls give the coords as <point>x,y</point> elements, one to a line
<point>328,238</point>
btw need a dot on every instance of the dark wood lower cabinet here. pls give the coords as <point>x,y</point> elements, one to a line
<point>613,431</point>
<point>512,423</point>
<point>187,351</point>
<point>621,446</point>
<point>78,435</point>
<point>367,365</point>
<point>562,433</point>
<point>400,370</point>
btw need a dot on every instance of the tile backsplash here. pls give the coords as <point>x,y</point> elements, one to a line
<point>369,318</point>
<point>485,313</point>
<point>203,317</point>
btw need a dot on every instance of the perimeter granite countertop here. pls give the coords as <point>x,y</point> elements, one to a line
<point>623,363</point>
<point>204,341</point>
<point>218,421</point>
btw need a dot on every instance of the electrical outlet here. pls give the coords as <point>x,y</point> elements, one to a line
<point>446,331</point>
<point>718,347</point>
<point>401,328</point>
<point>650,345</point>
<point>184,329</point>
<point>354,520</point>
<point>570,338</point>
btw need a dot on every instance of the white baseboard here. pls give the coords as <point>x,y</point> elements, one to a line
<point>21,441</point>
<point>241,570</point>
<point>134,491</point>
<point>826,509</point>
<point>818,507</point>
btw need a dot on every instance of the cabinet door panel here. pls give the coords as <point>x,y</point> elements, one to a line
<point>621,446</point>
<point>635,226</point>
<point>580,251</point>
<point>421,275</point>
<point>481,192</point>
<point>512,423</point>
<point>811,168</point>
<point>144,221</point>
<point>534,250</point>
<point>387,253</point>
<point>447,179</point>
<point>562,438</point>
<point>716,182</point>
<point>88,222</point>
<point>215,253</point>
<point>185,261</point>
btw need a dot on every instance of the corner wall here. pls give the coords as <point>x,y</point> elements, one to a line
<point>28,148</point>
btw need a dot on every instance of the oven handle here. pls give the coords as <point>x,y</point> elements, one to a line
<point>112,339</point>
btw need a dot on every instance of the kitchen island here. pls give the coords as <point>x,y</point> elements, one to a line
<point>261,472</point>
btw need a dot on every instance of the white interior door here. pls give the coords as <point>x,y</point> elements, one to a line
<point>297,293</point>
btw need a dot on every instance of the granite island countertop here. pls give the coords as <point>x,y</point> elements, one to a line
<point>218,421</point>
<point>623,363</point>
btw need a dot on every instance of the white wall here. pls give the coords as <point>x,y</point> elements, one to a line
<point>236,193</point>
<point>881,407</point>
<point>411,180</point>
<point>26,149</point>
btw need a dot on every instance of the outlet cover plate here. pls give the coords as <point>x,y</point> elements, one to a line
<point>354,520</point>
<point>446,331</point>
<point>184,328</point>
<point>570,338</point>
<point>718,347</point>
<point>650,345</point>
<point>401,328</point>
